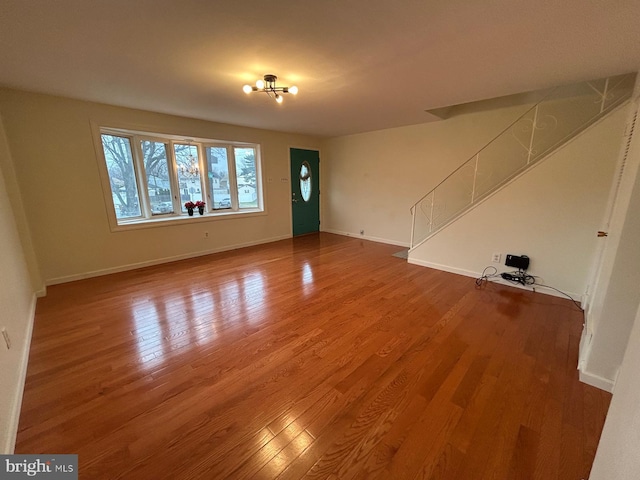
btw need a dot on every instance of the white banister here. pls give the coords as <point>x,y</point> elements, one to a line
<point>617,92</point>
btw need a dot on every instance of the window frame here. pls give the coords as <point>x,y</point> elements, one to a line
<point>173,185</point>
<point>135,173</point>
<point>235,176</point>
<point>147,219</point>
<point>231,180</point>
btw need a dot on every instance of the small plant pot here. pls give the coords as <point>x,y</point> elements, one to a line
<point>201,210</point>
<point>190,211</point>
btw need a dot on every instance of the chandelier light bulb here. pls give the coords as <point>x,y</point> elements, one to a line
<point>268,85</point>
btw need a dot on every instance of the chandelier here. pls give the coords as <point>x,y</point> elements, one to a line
<point>268,86</point>
<point>189,168</point>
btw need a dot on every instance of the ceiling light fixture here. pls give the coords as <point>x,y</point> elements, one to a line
<point>268,86</point>
<point>189,168</point>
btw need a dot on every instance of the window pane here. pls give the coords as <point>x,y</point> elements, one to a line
<point>122,176</point>
<point>188,174</point>
<point>156,166</point>
<point>305,181</point>
<point>217,161</point>
<point>246,177</point>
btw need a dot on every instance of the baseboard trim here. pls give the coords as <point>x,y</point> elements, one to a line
<point>469,273</point>
<point>367,237</point>
<point>596,381</point>
<point>584,347</point>
<point>159,261</point>
<point>14,412</point>
<point>444,268</point>
<point>584,375</point>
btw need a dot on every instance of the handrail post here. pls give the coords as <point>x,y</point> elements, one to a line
<point>533,132</point>
<point>413,225</point>
<point>433,199</point>
<point>475,176</point>
<point>604,95</point>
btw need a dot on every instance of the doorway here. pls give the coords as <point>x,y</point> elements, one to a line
<point>305,191</point>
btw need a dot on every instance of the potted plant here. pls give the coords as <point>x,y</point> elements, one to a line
<point>190,206</point>
<point>200,204</point>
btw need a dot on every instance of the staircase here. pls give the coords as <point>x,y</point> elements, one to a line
<point>560,116</point>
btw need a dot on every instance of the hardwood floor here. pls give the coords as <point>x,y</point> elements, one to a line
<point>318,357</point>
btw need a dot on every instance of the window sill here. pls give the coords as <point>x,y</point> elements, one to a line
<point>183,219</point>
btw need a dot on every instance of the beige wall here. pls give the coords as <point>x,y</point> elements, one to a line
<point>551,214</point>
<point>56,167</point>
<point>17,303</point>
<point>374,178</point>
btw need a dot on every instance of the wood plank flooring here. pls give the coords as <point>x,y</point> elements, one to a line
<point>316,357</point>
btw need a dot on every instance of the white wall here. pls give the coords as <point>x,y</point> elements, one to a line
<point>551,214</point>
<point>613,321</point>
<point>374,178</point>
<point>17,304</point>
<point>57,170</point>
<point>617,455</point>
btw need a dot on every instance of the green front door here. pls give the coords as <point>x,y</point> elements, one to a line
<point>305,191</point>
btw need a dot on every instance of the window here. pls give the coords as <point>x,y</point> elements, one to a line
<point>151,177</point>
<point>189,177</point>
<point>122,176</point>
<point>218,162</point>
<point>156,167</point>
<point>305,181</point>
<point>246,177</point>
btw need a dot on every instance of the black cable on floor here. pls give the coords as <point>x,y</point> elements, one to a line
<point>484,278</point>
<point>519,277</point>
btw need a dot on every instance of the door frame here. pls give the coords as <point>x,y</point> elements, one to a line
<point>613,223</point>
<point>315,149</point>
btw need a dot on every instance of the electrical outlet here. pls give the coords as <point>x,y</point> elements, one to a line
<point>7,340</point>
<point>361,232</point>
<point>496,257</point>
<point>206,234</point>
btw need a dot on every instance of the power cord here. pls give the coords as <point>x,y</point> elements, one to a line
<point>560,291</point>
<point>520,277</point>
<point>484,278</point>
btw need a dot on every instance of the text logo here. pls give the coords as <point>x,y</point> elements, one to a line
<point>50,467</point>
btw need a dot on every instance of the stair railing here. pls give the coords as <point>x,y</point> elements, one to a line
<point>558,117</point>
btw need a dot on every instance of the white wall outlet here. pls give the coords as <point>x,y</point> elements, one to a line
<point>206,234</point>
<point>7,340</point>
<point>496,257</point>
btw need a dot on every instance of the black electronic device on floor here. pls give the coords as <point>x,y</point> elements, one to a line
<point>521,262</point>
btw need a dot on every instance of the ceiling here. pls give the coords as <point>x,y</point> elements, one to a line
<point>360,65</point>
